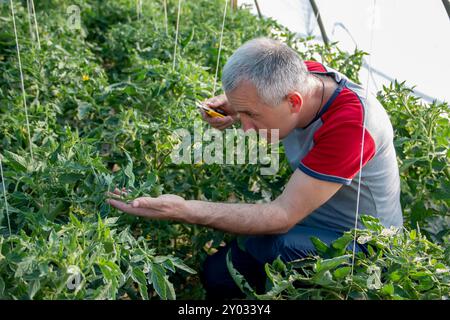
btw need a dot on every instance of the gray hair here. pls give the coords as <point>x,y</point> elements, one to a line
<point>273,67</point>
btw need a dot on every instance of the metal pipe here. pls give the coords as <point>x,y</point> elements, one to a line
<point>258,9</point>
<point>446,4</point>
<point>234,4</point>
<point>319,21</point>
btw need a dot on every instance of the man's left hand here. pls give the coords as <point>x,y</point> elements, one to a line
<point>164,207</point>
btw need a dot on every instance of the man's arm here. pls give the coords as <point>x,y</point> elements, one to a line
<point>302,195</point>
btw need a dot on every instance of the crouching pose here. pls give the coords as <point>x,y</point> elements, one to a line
<point>320,116</point>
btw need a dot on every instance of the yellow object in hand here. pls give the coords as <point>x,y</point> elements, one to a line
<point>213,113</point>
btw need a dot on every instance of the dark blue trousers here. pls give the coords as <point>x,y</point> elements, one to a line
<point>259,250</point>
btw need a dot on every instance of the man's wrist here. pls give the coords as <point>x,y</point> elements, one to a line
<point>191,212</point>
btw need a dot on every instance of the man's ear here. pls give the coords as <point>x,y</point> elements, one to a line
<point>295,100</point>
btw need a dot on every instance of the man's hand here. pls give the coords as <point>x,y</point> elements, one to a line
<point>167,206</point>
<point>222,103</point>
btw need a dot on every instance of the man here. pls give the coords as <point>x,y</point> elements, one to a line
<point>320,115</point>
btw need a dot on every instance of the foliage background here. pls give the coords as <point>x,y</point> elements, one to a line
<point>103,102</point>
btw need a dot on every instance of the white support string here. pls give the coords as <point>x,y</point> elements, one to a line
<point>4,196</point>
<point>21,79</point>
<point>30,23</point>
<point>220,47</point>
<point>176,35</point>
<point>165,17</point>
<point>36,25</point>
<point>138,9</point>
<point>363,139</point>
<point>138,16</point>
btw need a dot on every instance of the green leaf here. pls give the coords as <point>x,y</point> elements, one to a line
<point>342,242</point>
<point>128,171</point>
<point>75,221</point>
<point>324,279</point>
<point>180,265</point>
<point>371,250</point>
<point>185,42</point>
<point>70,178</point>
<point>24,266</point>
<point>396,276</point>
<point>388,289</point>
<point>139,277</point>
<point>320,246</point>
<point>158,281</point>
<point>83,109</point>
<point>170,289</point>
<point>278,265</point>
<point>328,264</point>
<point>109,246</point>
<point>2,288</point>
<point>168,264</point>
<point>277,289</point>
<point>18,163</point>
<point>406,164</point>
<point>33,288</point>
<point>341,273</point>
<point>447,255</point>
<point>239,278</point>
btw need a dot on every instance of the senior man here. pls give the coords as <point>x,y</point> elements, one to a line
<point>320,116</point>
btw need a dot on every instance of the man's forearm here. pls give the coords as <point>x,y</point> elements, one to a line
<point>237,218</point>
<point>302,195</point>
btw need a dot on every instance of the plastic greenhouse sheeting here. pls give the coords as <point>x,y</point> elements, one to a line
<point>411,38</point>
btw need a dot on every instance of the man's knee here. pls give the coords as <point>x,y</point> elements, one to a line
<point>267,248</point>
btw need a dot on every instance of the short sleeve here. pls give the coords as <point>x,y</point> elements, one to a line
<point>336,153</point>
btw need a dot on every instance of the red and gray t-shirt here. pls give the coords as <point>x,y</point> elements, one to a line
<point>329,148</point>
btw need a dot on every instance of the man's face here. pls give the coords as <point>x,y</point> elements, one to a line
<point>255,114</point>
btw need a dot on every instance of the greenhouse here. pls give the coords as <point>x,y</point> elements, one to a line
<point>224,150</point>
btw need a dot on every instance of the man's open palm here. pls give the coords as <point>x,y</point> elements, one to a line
<point>148,207</point>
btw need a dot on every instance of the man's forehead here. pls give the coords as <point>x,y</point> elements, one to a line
<point>244,96</point>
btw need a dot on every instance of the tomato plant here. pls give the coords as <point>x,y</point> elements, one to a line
<point>103,102</point>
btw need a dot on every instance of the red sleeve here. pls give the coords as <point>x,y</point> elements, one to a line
<point>314,66</point>
<point>336,153</point>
